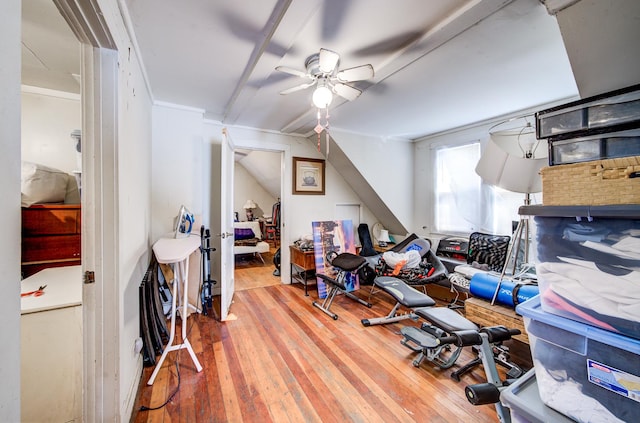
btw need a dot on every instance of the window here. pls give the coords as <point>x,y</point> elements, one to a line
<point>458,188</point>
<point>463,204</point>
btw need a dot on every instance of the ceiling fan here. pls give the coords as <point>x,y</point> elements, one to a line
<point>322,70</point>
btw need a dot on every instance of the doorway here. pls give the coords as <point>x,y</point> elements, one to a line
<point>51,214</point>
<point>257,182</point>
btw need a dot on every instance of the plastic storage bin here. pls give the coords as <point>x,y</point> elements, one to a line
<point>585,373</point>
<point>609,112</point>
<point>525,406</point>
<point>608,146</point>
<point>588,270</point>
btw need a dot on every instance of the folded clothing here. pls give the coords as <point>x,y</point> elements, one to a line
<point>251,242</point>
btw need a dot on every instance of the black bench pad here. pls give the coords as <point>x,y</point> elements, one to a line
<point>445,318</point>
<point>403,293</point>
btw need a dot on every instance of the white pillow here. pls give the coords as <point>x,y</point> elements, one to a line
<point>42,184</point>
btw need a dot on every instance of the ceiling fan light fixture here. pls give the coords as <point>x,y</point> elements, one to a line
<point>322,96</point>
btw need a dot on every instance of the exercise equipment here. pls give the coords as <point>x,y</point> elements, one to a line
<point>277,262</point>
<point>510,293</point>
<point>489,391</point>
<point>427,340</point>
<point>441,322</point>
<point>345,267</point>
<point>206,295</point>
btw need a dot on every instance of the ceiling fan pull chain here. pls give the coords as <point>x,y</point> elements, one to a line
<point>318,129</point>
<point>326,129</point>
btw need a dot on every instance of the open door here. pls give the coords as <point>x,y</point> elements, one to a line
<point>227,283</point>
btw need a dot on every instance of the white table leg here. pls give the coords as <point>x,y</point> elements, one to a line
<point>182,274</point>
<point>172,332</point>
<point>185,304</point>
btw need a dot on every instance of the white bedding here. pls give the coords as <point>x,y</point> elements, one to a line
<point>260,247</point>
<point>43,184</point>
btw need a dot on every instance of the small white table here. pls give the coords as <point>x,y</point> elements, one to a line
<point>176,251</point>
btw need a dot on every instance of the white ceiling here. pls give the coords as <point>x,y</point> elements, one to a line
<point>50,51</point>
<point>438,64</point>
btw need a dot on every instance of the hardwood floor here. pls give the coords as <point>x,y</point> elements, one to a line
<point>283,360</point>
<point>250,272</point>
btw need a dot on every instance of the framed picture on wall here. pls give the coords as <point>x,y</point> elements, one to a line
<point>308,176</point>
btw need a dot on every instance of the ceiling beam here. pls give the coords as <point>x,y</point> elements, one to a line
<point>274,21</point>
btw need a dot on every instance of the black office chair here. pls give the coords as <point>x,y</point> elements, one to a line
<point>365,240</point>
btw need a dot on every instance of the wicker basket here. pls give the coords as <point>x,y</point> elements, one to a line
<point>600,182</point>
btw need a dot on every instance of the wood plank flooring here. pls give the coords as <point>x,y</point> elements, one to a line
<point>283,360</point>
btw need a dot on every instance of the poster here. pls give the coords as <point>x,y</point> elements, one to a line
<point>328,236</point>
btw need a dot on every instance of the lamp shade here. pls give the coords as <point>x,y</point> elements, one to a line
<point>503,162</point>
<point>384,236</point>
<point>249,205</point>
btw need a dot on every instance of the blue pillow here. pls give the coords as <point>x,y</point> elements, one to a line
<point>243,233</point>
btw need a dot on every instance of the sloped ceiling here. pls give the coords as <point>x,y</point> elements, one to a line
<point>50,51</point>
<point>438,65</point>
<point>264,166</point>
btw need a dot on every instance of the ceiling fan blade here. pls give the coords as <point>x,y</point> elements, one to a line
<point>359,73</point>
<point>297,88</point>
<point>292,71</point>
<point>328,60</point>
<point>346,91</point>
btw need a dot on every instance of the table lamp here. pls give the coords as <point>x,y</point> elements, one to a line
<point>249,206</point>
<point>384,238</point>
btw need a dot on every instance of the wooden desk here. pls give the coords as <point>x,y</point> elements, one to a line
<point>380,249</point>
<point>483,313</point>
<point>303,266</point>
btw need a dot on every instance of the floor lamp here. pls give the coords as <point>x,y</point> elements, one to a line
<point>512,160</point>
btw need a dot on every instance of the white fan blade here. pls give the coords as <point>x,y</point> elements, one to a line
<point>346,91</point>
<point>328,60</point>
<point>359,73</point>
<point>297,88</point>
<point>292,71</point>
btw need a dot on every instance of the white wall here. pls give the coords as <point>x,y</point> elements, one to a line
<point>48,118</point>
<point>423,152</point>
<point>387,165</point>
<point>298,211</point>
<point>177,172</point>
<point>247,187</point>
<point>601,40</point>
<point>134,217</point>
<point>10,38</point>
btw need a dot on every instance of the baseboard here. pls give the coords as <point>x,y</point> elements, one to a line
<point>133,392</point>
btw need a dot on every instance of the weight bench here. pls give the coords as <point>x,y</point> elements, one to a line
<point>441,322</point>
<point>344,269</point>
<point>404,295</point>
<point>426,340</point>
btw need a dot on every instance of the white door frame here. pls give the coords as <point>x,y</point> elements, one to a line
<point>285,199</point>
<point>99,97</point>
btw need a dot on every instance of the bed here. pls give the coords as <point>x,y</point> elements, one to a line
<point>51,224</point>
<point>248,239</point>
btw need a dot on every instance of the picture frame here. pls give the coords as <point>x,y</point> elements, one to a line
<point>308,176</point>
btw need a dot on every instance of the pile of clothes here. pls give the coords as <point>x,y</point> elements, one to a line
<point>590,271</point>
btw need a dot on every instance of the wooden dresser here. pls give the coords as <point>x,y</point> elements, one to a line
<point>50,236</point>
